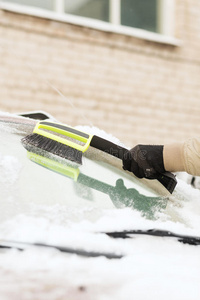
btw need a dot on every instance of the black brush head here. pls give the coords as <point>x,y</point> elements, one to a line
<point>33,142</point>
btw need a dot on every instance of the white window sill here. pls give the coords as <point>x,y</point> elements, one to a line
<point>91,23</point>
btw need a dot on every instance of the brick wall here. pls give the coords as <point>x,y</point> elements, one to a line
<point>137,90</point>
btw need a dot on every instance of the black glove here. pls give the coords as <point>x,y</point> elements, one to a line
<point>144,161</point>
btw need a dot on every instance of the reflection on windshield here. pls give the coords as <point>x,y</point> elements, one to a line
<point>120,195</point>
<point>124,197</point>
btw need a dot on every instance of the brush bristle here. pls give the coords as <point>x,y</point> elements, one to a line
<point>54,147</point>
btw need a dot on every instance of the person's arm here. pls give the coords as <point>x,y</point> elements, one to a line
<point>173,157</point>
<point>183,157</point>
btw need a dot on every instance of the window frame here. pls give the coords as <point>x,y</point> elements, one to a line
<point>165,21</point>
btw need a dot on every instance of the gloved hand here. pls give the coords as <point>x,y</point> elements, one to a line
<point>145,161</point>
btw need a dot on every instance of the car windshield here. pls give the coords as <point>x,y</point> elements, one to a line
<point>85,192</point>
<point>83,211</point>
<point>85,189</point>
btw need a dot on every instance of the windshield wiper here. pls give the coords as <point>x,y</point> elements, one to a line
<point>5,244</point>
<point>186,239</point>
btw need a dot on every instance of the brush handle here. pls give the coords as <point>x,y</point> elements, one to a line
<point>167,179</point>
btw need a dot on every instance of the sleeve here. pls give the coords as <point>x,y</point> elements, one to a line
<point>191,156</point>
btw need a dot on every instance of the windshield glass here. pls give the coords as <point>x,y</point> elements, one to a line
<point>67,219</point>
<point>89,191</point>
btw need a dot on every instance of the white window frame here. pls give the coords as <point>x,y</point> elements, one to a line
<point>115,12</point>
<point>165,21</point>
<point>166,17</point>
<point>59,6</point>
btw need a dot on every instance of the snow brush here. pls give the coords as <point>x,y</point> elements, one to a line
<point>66,142</point>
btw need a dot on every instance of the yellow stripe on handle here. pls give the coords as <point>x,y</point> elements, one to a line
<point>65,131</point>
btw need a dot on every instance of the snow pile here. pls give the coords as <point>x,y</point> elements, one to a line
<point>10,168</point>
<point>99,132</point>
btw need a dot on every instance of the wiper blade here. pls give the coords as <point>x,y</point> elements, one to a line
<point>186,239</point>
<point>23,245</point>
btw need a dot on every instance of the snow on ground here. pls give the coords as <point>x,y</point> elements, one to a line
<point>152,267</point>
